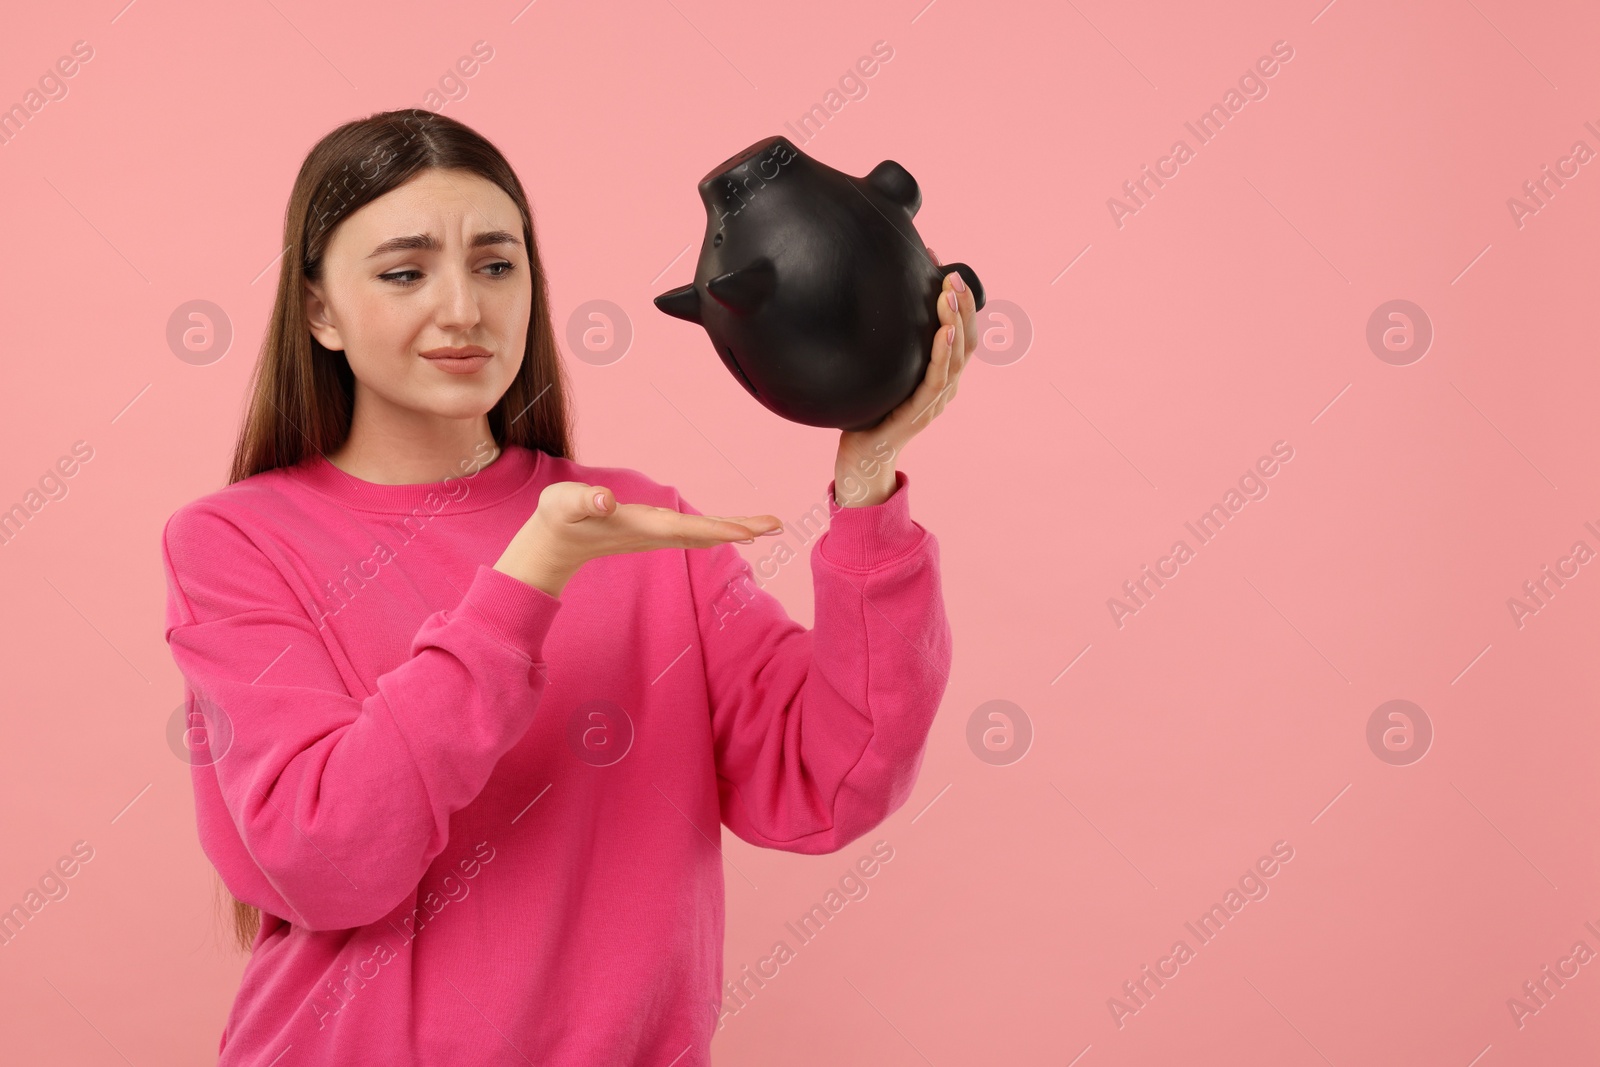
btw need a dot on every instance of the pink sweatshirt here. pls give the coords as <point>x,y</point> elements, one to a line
<point>483,823</point>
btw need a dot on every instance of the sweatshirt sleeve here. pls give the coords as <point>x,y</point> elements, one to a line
<point>819,734</point>
<point>339,802</point>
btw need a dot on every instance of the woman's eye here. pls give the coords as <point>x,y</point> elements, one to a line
<point>409,277</point>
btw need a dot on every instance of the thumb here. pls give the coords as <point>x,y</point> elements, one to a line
<point>573,501</point>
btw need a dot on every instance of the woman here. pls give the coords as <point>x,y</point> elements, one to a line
<point>473,711</point>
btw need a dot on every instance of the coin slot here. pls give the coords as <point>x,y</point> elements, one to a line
<point>748,384</point>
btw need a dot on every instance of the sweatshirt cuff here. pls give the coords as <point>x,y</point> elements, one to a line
<point>868,537</point>
<point>515,613</point>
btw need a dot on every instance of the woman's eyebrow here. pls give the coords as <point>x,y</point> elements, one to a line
<point>427,242</point>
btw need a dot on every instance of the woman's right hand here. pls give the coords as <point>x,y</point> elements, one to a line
<point>575,522</point>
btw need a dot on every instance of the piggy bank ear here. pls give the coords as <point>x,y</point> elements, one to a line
<point>682,302</point>
<point>745,289</point>
<point>896,183</point>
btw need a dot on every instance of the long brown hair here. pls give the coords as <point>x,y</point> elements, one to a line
<point>302,395</point>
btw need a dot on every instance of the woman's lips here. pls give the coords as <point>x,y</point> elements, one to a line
<point>461,365</point>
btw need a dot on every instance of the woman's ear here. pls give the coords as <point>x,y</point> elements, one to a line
<point>326,333</point>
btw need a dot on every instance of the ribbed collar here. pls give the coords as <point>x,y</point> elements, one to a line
<point>514,468</point>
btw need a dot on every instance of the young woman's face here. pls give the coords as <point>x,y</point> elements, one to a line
<point>426,270</point>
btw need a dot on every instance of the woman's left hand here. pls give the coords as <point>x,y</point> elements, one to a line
<point>863,473</point>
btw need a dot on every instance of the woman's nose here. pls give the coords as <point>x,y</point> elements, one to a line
<point>457,300</point>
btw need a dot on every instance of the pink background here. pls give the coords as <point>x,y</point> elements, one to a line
<point>1229,313</point>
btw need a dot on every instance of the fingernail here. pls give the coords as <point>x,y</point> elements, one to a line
<point>950,334</point>
<point>950,298</point>
<point>747,541</point>
<point>771,533</point>
<point>600,501</point>
<point>955,280</point>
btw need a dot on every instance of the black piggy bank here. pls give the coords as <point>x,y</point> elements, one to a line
<point>814,286</point>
